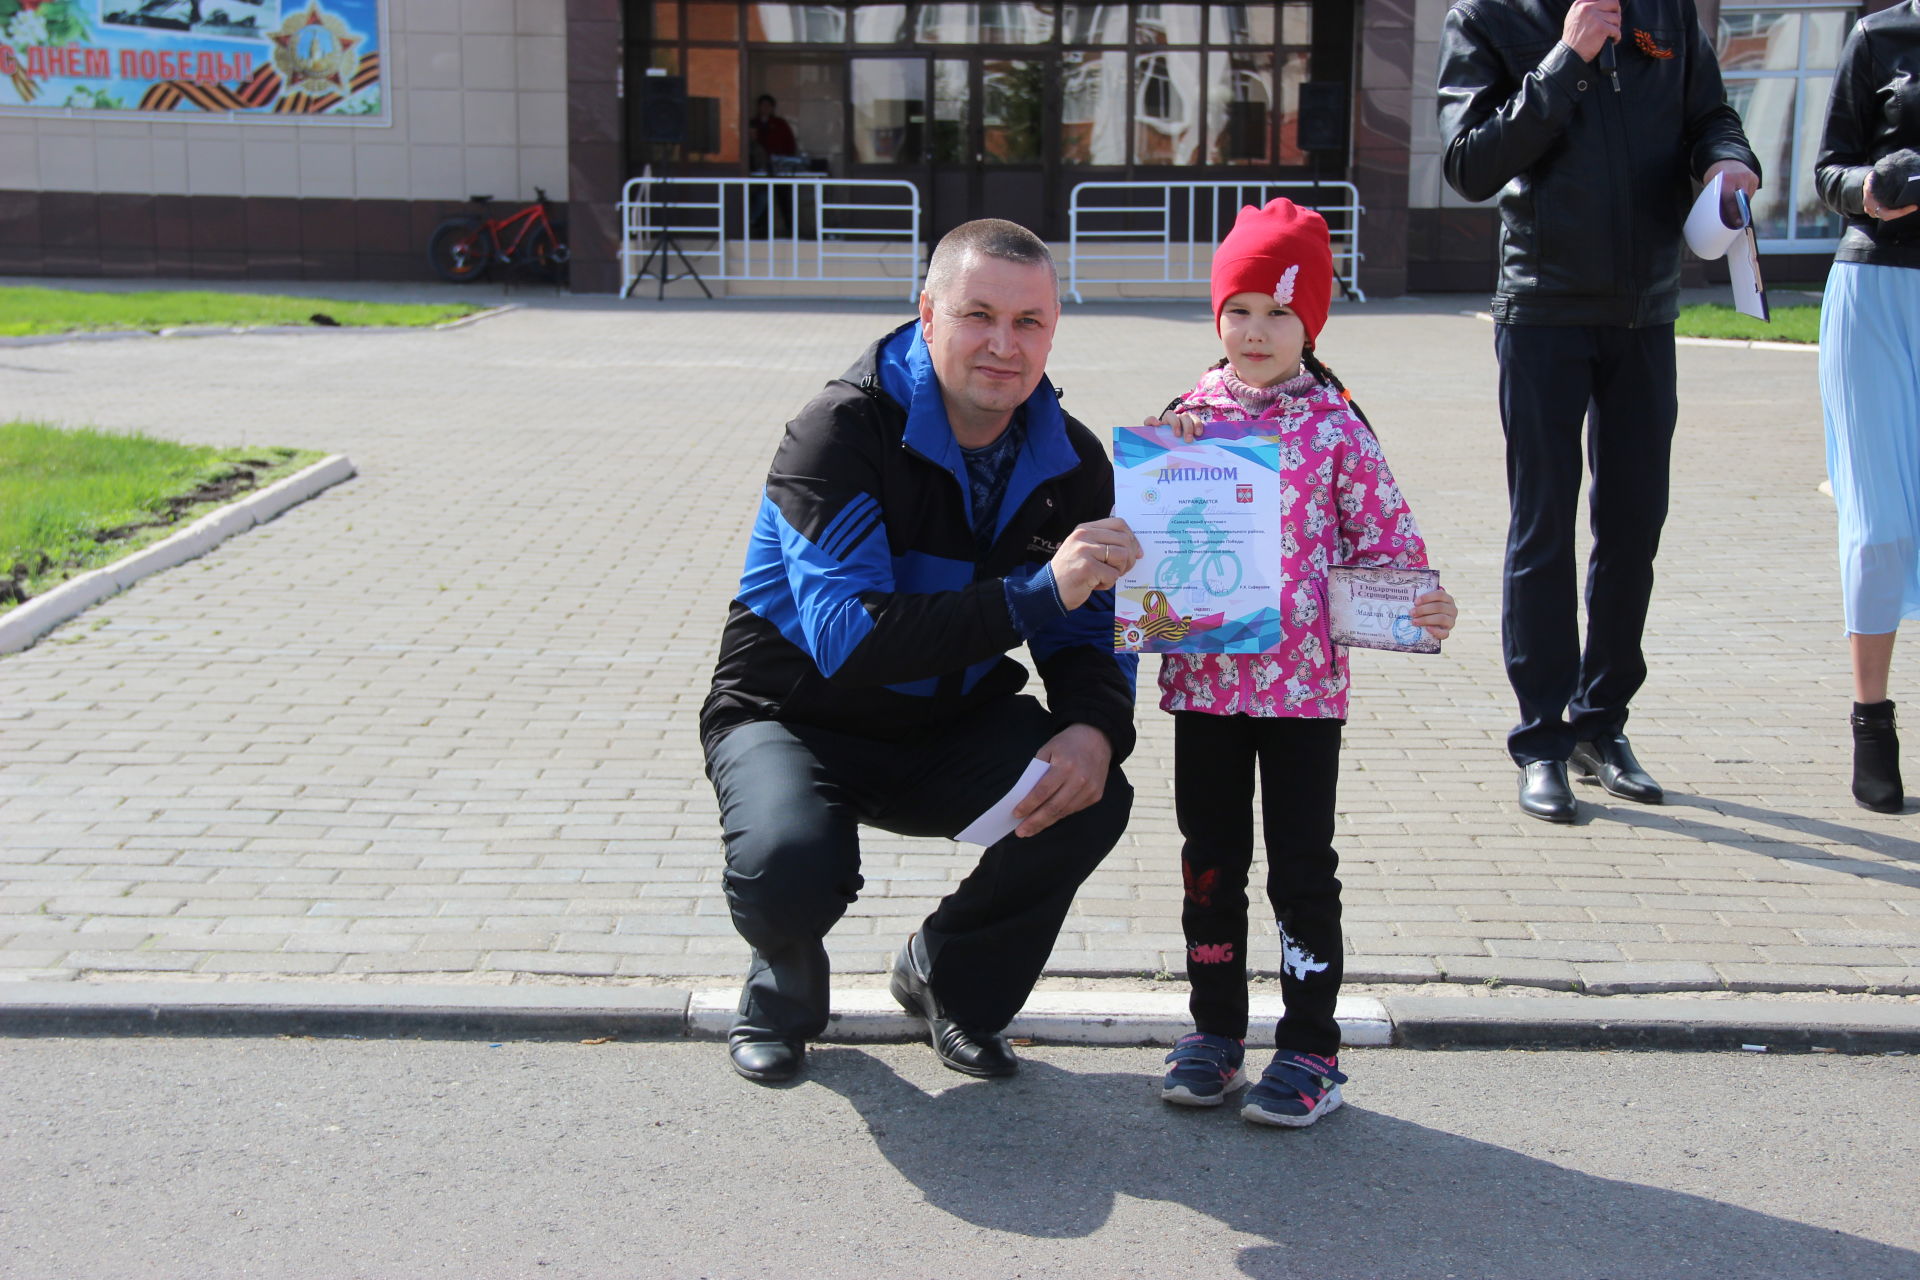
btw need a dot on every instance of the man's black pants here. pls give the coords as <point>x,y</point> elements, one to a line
<point>1621,382</point>
<point>1299,764</point>
<point>791,798</point>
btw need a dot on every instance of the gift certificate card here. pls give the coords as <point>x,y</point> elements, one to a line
<point>1373,608</point>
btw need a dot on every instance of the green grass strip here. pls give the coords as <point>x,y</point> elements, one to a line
<point>1712,320</point>
<point>67,497</point>
<point>28,311</point>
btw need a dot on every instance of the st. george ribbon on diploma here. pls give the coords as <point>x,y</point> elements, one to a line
<point>1208,520</point>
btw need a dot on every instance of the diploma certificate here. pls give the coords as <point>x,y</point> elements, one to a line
<point>1373,608</point>
<point>1207,515</point>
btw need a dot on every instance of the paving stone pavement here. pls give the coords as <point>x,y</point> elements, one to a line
<point>439,722</point>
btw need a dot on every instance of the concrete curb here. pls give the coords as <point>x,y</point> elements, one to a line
<point>1561,1022</point>
<point>869,1015</point>
<point>26,624</point>
<point>312,1008</point>
<point>232,331</point>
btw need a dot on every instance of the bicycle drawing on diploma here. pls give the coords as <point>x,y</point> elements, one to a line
<point>1200,553</point>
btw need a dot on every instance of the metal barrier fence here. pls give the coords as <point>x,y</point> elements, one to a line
<point>1165,232</point>
<point>806,228</point>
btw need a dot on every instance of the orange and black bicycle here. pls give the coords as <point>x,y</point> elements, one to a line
<point>464,248</point>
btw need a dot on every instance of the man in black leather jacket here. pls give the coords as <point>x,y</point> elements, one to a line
<point>1590,125</point>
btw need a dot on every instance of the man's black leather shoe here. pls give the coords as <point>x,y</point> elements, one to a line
<point>1609,759</point>
<point>973,1053</point>
<point>1545,792</point>
<point>765,1061</point>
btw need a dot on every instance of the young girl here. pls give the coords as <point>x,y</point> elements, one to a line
<point>1272,282</point>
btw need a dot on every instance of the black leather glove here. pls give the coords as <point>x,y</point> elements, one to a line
<point>1891,172</point>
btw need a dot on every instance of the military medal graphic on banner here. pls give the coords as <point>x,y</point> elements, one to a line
<point>195,59</point>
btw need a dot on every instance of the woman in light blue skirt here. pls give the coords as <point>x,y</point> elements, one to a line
<point>1870,368</point>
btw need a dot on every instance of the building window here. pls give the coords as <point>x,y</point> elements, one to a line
<point>1148,85</point>
<point>1093,107</point>
<point>889,110</point>
<point>796,24</point>
<point>1778,62</point>
<point>1010,123</point>
<point>1165,110</point>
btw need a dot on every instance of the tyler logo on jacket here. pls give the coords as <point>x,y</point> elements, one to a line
<point>1296,959</point>
<point>1039,546</point>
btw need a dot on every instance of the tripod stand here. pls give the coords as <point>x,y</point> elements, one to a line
<point>666,245</point>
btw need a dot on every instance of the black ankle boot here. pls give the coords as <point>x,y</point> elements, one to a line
<point>1876,758</point>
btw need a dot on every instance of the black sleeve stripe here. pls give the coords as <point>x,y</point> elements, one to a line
<point>855,512</point>
<point>851,534</point>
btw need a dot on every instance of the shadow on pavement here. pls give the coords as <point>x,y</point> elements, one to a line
<point>1827,858</point>
<point>1361,1194</point>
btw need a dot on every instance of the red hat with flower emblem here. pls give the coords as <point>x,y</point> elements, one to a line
<point>1281,250</point>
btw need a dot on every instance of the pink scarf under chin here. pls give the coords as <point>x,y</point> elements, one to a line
<point>1257,400</point>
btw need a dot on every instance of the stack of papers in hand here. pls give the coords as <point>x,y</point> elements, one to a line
<point>1721,223</point>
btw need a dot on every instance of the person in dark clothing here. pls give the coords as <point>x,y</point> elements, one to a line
<point>928,511</point>
<point>771,133</point>
<point>772,149</point>
<point>1589,121</point>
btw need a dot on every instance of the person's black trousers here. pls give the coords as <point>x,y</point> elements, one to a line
<point>1620,383</point>
<point>791,801</point>
<point>1299,765</point>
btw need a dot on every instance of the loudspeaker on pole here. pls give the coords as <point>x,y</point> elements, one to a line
<point>663,109</point>
<point>1324,108</point>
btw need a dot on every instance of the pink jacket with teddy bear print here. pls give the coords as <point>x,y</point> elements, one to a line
<point>1339,505</point>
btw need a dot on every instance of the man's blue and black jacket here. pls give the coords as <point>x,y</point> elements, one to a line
<point>862,608</point>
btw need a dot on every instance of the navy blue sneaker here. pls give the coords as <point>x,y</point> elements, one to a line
<point>1205,1069</point>
<point>1297,1089</point>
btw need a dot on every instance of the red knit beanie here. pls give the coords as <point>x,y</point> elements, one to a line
<point>1282,251</point>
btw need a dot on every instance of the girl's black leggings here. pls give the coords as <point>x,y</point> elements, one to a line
<point>1299,762</point>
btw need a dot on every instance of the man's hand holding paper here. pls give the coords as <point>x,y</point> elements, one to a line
<point>1093,558</point>
<point>1721,224</point>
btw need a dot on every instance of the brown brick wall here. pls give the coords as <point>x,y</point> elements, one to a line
<point>66,233</point>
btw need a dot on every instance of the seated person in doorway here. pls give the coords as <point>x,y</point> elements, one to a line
<point>773,150</point>
<point>772,135</point>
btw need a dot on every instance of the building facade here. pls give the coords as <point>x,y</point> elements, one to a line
<point>324,139</point>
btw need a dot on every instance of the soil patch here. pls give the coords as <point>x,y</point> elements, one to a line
<point>244,477</point>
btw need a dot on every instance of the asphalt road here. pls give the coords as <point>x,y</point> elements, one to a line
<point>324,1158</point>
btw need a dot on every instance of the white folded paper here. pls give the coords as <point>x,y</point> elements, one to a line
<point>1709,236</point>
<point>997,823</point>
<point>1707,231</point>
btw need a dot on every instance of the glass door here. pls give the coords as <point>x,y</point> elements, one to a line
<point>1010,159</point>
<point>887,98</point>
<point>975,128</point>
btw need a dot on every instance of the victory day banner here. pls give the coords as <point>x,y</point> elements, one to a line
<point>188,60</point>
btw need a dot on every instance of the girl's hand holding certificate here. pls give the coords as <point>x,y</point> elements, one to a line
<point>1436,612</point>
<point>1185,425</point>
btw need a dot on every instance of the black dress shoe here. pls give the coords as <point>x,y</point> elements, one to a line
<point>1609,759</point>
<point>765,1061</point>
<point>1545,792</point>
<point>962,1049</point>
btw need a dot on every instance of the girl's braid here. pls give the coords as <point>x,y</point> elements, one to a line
<point>1326,376</point>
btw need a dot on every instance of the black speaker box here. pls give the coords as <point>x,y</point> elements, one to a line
<point>1323,115</point>
<point>663,109</point>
